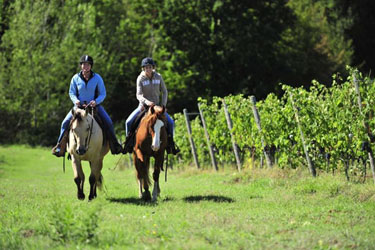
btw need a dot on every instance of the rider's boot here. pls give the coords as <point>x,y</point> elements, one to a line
<point>60,148</point>
<point>114,145</point>
<point>129,143</point>
<point>171,147</point>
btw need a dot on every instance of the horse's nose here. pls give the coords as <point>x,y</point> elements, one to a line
<point>154,148</point>
<point>81,150</point>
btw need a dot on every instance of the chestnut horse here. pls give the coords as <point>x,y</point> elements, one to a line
<point>86,144</point>
<point>150,141</point>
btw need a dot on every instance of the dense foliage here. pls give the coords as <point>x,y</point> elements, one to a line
<point>332,123</point>
<point>203,48</point>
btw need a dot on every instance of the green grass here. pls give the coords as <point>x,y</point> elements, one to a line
<point>254,209</point>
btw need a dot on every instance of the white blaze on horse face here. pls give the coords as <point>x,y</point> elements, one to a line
<point>156,139</point>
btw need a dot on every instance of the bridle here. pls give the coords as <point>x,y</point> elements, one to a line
<point>88,138</point>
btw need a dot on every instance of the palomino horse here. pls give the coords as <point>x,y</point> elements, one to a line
<point>86,144</point>
<point>150,141</point>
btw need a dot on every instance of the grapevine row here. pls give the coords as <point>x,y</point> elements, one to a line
<point>337,131</point>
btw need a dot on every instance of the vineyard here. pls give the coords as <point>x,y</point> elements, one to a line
<point>325,128</point>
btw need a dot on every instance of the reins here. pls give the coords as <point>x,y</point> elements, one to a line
<point>88,139</point>
<point>166,168</point>
<point>64,164</point>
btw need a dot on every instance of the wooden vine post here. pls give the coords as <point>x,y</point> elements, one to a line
<point>309,162</point>
<point>257,121</point>
<point>212,154</point>
<point>234,144</point>
<point>193,149</point>
<point>365,125</point>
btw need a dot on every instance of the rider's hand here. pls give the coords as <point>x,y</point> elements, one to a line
<point>78,103</point>
<point>92,103</point>
<point>148,103</point>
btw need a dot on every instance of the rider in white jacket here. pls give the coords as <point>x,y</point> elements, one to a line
<point>151,90</point>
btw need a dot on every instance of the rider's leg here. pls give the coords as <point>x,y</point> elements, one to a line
<point>130,120</point>
<point>130,129</point>
<point>171,147</point>
<point>116,147</point>
<point>60,148</point>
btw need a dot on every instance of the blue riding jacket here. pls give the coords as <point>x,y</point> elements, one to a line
<point>85,92</point>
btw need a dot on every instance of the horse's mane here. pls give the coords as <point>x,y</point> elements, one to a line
<point>150,119</point>
<point>152,116</point>
<point>77,116</point>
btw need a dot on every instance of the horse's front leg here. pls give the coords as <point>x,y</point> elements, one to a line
<point>140,188</point>
<point>146,196</point>
<point>79,177</point>
<point>158,165</point>
<point>138,168</point>
<point>95,178</point>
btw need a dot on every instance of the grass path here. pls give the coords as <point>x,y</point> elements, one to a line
<point>259,209</point>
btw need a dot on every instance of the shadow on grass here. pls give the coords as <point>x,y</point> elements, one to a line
<point>138,201</point>
<point>214,198</point>
<point>2,159</point>
<point>2,162</point>
<point>2,171</point>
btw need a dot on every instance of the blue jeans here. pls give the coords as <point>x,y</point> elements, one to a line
<point>135,113</point>
<point>107,122</point>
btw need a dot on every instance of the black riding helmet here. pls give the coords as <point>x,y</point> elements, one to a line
<point>147,61</point>
<point>86,58</point>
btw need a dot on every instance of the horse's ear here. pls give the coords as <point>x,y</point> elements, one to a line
<point>152,108</point>
<point>86,111</point>
<point>164,109</point>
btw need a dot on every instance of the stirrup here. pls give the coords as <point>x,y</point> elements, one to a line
<point>127,148</point>
<point>129,143</point>
<point>56,151</point>
<point>175,150</point>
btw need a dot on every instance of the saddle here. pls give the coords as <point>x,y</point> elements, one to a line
<point>130,139</point>
<point>101,125</point>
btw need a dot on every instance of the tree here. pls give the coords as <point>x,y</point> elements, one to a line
<point>322,27</point>
<point>202,48</point>
<point>221,47</point>
<point>361,32</point>
<point>39,52</point>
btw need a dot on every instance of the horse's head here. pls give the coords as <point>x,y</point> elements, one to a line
<point>155,121</point>
<point>81,128</point>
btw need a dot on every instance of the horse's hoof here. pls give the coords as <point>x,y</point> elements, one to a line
<point>81,196</point>
<point>92,197</point>
<point>146,196</point>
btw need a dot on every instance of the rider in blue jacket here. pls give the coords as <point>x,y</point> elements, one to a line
<point>87,88</point>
